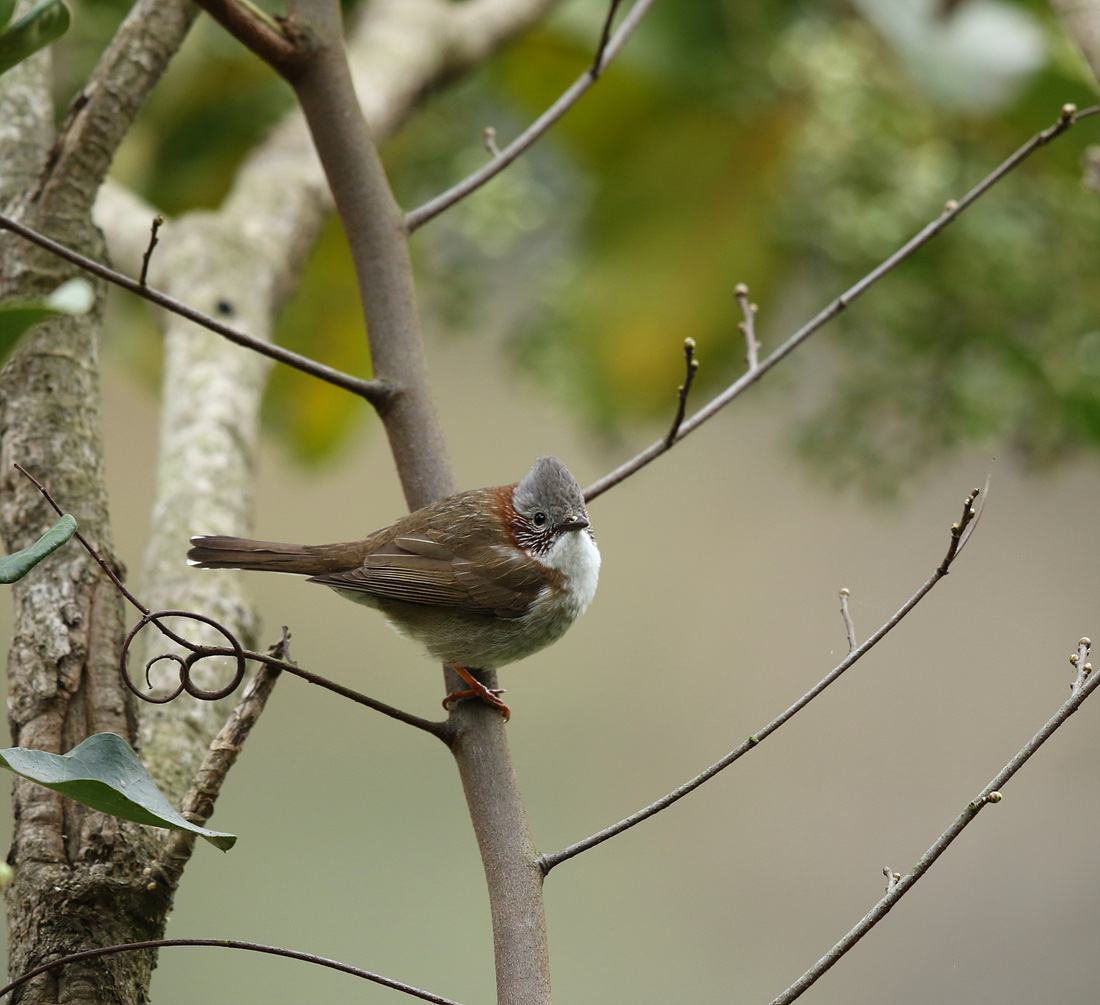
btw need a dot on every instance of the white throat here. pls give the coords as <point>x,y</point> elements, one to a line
<point>574,554</point>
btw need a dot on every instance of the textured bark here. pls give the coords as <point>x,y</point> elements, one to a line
<point>79,876</point>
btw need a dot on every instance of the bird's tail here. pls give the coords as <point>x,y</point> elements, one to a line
<point>271,556</point>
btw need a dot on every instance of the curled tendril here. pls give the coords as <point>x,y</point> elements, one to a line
<point>185,663</point>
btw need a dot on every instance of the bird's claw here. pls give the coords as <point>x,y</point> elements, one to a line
<point>488,695</point>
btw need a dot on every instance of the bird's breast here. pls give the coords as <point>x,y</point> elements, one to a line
<point>576,558</point>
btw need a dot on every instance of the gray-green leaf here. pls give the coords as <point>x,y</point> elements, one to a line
<point>44,23</point>
<point>104,773</point>
<point>15,567</point>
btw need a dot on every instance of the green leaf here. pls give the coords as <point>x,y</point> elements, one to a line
<point>15,567</point>
<point>73,297</point>
<point>44,23</point>
<point>104,773</point>
<point>7,8</point>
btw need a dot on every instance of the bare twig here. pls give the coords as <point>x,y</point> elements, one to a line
<point>1069,116</point>
<point>747,327</point>
<point>849,625</point>
<point>158,222</point>
<point>489,136</point>
<point>253,947</point>
<point>1080,661</point>
<point>961,531</point>
<point>605,34</point>
<point>374,391</point>
<point>444,730</point>
<point>197,805</point>
<point>547,862</point>
<point>422,214</point>
<point>691,366</point>
<point>990,794</point>
<point>103,563</point>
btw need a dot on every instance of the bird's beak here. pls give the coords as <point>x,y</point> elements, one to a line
<point>577,523</point>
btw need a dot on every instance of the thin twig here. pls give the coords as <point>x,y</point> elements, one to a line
<point>376,392</point>
<point>253,947</point>
<point>444,730</point>
<point>1080,661</point>
<point>990,794</point>
<point>158,222</point>
<point>1069,116</point>
<point>489,138</point>
<point>747,327</point>
<point>691,366</point>
<point>103,563</point>
<point>605,34</point>
<point>433,207</point>
<point>197,805</point>
<point>547,862</point>
<point>849,625</point>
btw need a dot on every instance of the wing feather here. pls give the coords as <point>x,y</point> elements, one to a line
<point>489,580</point>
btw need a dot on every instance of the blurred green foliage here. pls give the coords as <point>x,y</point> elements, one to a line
<point>787,145</point>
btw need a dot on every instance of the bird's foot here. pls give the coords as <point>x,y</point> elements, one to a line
<point>479,691</point>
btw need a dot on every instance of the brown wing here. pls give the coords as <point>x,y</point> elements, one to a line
<point>494,579</point>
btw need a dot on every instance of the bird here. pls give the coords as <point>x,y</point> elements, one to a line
<point>479,579</point>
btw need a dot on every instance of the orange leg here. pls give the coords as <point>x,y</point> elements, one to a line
<point>477,690</point>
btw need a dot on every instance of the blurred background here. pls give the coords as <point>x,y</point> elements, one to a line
<point>790,146</point>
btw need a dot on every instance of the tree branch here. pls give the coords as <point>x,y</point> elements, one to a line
<point>897,890</point>
<point>1069,117</point>
<point>278,42</point>
<point>958,532</point>
<point>380,252</point>
<point>198,804</point>
<point>540,127</point>
<point>272,662</point>
<point>374,391</point>
<point>101,114</point>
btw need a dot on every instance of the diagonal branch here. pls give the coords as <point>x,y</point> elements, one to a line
<point>374,391</point>
<point>897,890</point>
<point>277,41</point>
<point>198,804</point>
<point>1068,117</point>
<point>101,113</point>
<point>422,214</point>
<point>547,862</point>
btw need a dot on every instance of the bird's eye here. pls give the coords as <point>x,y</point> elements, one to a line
<point>539,519</point>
